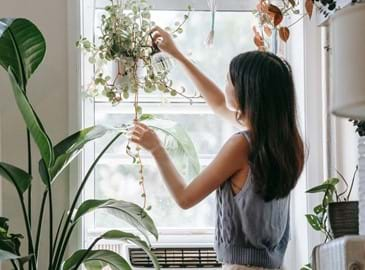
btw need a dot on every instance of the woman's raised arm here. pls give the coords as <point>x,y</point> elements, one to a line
<point>208,89</point>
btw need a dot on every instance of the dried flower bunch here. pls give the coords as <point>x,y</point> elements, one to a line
<point>126,41</point>
<point>271,17</point>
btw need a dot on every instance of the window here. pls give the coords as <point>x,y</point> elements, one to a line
<point>116,177</point>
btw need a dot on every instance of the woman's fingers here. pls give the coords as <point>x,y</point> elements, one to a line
<point>135,139</point>
<point>142,125</point>
<point>155,36</point>
<point>158,29</point>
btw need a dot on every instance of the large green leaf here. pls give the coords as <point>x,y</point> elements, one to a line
<point>127,211</point>
<point>328,185</point>
<point>68,149</point>
<point>179,145</point>
<point>9,243</point>
<point>6,255</point>
<point>22,47</point>
<point>314,221</point>
<point>96,260</point>
<point>124,236</point>
<point>32,122</point>
<point>19,178</point>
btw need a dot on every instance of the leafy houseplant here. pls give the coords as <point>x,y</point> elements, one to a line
<point>20,56</point>
<point>127,44</point>
<point>271,14</point>
<point>335,208</point>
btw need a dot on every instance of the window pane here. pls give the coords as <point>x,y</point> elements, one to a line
<point>116,176</point>
<point>232,36</point>
<point>209,131</point>
<point>119,181</point>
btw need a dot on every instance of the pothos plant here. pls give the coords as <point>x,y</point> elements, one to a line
<point>271,18</point>
<point>127,44</point>
<point>20,56</point>
<point>318,220</point>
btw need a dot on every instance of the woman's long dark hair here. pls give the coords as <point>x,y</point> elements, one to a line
<point>265,92</point>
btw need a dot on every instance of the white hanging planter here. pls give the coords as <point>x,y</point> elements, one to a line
<point>348,61</point>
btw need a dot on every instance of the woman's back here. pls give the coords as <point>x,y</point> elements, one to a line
<point>249,230</point>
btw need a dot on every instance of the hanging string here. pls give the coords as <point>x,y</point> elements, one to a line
<point>213,8</point>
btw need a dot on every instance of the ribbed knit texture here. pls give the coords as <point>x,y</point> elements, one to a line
<point>250,231</point>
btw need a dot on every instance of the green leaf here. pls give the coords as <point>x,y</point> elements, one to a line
<point>314,221</point>
<point>329,184</point>
<point>319,209</point>
<point>68,149</point>
<point>19,178</point>
<point>96,260</point>
<point>179,145</point>
<point>9,244</point>
<point>123,236</point>
<point>306,267</point>
<point>6,255</point>
<point>32,122</point>
<point>22,47</point>
<point>126,211</point>
<point>145,116</point>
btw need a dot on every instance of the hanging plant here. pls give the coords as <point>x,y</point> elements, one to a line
<point>126,42</point>
<point>271,17</point>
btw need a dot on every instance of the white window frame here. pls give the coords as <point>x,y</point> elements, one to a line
<point>201,235</point>
<point>311,123</point>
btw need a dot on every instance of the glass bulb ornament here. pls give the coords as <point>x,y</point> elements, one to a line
<point>161,62</point>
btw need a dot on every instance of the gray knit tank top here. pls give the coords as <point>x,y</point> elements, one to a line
<point>250,231</point>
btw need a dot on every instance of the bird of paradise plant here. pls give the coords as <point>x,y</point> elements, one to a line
<point>22,49</point>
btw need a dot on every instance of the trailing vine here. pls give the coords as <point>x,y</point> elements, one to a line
<point>127,43</point>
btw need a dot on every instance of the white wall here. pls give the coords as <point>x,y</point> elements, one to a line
<point>48,91</point>
<point>346,151</point>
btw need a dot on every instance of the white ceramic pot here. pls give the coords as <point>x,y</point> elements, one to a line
<point>348,61</point>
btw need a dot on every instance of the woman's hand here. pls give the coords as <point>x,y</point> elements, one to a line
<point>164,41</point>
<point>145,137</point>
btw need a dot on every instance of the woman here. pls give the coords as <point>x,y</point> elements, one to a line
<point>255,170</point>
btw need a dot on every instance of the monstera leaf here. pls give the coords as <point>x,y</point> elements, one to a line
<point>126,211</point>
<point>22,47</point>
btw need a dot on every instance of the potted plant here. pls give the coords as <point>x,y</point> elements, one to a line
<point>20,56</point>
<point>271,19</point>
<point>127,45</point>
<point>336,215</point>
<point>336,208</point>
